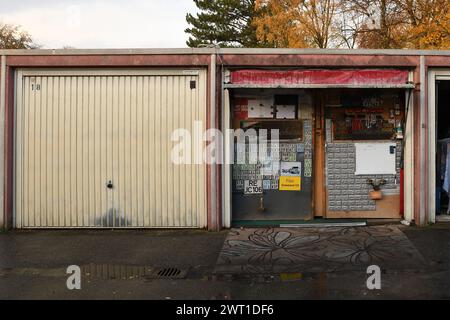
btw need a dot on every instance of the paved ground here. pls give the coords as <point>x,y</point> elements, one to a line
<point>122,265</point>
<point>315,250</point>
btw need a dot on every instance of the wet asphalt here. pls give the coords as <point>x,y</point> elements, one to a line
<point>120,264</point>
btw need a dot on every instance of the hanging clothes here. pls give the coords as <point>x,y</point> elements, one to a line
<point>446,185</point>
<point>443,173</point>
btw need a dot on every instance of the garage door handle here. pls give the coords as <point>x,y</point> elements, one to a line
<point>109,185</point>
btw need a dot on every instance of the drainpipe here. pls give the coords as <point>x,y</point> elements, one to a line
<point>2,140</point>
<point>212,121</point>
<point>423,149</point>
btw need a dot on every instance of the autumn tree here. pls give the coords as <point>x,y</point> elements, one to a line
<point>296,23</point>
<point>12,37</point>
<point>428,23</point>
<point>347,24</point>
<point>381,24</point>
<point>226,23</point>
<point>277,25</point>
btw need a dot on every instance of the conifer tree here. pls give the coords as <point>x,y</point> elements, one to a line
<point>226,23</point>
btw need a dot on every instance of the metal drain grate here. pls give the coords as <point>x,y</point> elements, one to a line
<point>168,273</point>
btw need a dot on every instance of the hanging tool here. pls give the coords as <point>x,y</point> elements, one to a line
<point>261,205</point>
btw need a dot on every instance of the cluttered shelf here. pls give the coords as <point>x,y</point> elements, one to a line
<point>363,129</point>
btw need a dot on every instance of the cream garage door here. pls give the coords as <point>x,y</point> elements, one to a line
<point>92,149</point>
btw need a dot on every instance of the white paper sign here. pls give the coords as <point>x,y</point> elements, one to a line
<point>270,168</point>
<point>286,112</point>
<point>375,158</point>
<point>260,108</point>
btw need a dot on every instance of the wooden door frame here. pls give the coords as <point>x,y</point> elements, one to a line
<point>319,137</point>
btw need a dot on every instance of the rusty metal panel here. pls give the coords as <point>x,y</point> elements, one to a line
<point>320,77</point>
<point>76,132</point>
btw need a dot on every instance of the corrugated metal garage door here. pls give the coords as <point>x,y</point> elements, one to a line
<point>76,131</point>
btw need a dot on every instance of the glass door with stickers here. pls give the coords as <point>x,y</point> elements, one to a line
<point>272,169</point>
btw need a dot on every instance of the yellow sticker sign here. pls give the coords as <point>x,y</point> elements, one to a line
<point>290,183</point>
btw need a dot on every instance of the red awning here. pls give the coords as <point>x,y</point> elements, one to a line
<point>320,77</point>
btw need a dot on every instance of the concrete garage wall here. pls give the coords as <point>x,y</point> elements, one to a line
<point>347,191</point>
<point>2,137</point>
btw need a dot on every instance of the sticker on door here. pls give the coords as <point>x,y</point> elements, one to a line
<point>253,187</point>
<point>290,183</point>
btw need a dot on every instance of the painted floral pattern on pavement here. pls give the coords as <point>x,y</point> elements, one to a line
<point>274,250</point>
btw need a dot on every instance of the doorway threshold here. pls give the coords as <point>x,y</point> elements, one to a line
<point>316,223</point>
<point>443,217</point>
<point>325,225</point>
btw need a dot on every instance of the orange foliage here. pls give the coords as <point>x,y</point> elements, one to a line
<point>429,24</point>
<point>295,23</point>
<point>421,24</point>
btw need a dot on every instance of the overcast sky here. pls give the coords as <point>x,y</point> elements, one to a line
<point>101,23</point>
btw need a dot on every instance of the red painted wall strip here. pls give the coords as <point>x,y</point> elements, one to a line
<point>208,166</point>
<point>9,147</point>
<point>128,61</point>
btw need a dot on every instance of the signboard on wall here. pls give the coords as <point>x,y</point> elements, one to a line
<point>253,187</point>
<point>291,169</point>
<point>375,158</point>
<point>260,108</point>
<point>290,183</point>
<point>286,111</point>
